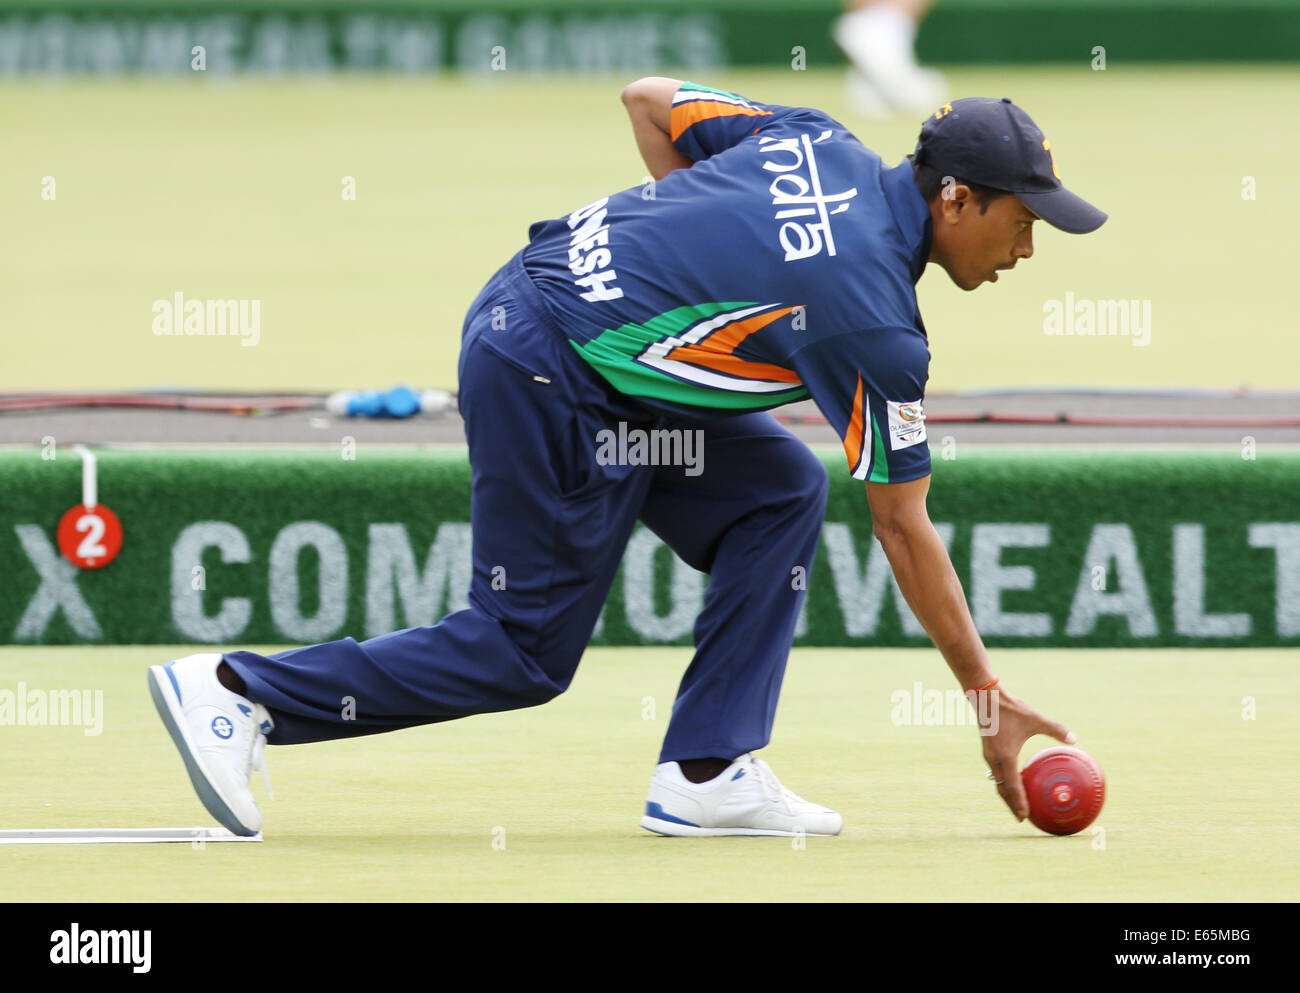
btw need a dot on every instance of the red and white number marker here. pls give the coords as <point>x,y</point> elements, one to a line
<point>89,535</point>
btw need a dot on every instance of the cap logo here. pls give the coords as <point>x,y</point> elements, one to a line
<point>1047,147</point>
<point>943,112</point>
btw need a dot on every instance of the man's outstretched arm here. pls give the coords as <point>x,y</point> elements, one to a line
<point>649,104</point>
<point>925,575</point>
<point>931,588</point>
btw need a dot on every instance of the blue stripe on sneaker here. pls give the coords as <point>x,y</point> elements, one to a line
<point>654,810</point>
<point>175,685</point>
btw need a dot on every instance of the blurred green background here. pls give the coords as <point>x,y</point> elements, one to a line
<point>232,189</point>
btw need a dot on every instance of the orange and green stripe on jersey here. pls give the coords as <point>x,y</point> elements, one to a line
<point>688,356</point>
<point>870,464</point>
<point>693,103</point>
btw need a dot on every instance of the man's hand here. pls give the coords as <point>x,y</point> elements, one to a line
<point>1017,722</point>
<point>930,586</point>
<point>649,104</point>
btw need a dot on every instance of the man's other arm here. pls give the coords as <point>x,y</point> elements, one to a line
<point>649,104</point>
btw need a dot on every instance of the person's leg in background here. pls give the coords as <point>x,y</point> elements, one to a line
<point>884,79</point>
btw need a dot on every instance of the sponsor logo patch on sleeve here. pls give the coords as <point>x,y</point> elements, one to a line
<point>906,424</point>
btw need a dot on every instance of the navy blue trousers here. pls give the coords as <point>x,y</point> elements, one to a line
<point>550,523</point>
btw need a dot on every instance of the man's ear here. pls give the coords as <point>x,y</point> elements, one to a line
<point>953,200</point>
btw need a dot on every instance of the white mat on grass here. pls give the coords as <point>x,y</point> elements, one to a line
<point>108,836</point>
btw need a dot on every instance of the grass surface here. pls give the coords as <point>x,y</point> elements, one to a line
<point>1201,804</point>
<point>232,190</point>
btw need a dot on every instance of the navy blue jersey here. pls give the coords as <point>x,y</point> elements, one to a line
<point>781,265</point>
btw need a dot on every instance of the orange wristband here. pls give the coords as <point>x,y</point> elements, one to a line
<point>988,686</point>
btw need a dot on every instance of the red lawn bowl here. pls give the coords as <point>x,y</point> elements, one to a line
<point>1065,788</point>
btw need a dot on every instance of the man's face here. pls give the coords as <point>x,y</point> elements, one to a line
<point>971,246</point>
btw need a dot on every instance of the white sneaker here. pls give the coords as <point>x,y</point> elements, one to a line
<point>220,735</point>
<point>745,799</point>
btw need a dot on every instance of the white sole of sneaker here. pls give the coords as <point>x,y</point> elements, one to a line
<point>167,701</point>
<point>670,829</point>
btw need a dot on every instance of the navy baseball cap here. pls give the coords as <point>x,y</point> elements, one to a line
<point>994,143</point>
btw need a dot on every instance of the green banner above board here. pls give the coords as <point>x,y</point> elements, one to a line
<point>1053,548</point>
<point>617,36</point>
